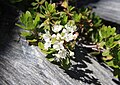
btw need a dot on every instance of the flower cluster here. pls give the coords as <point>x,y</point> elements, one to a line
<point>58,37</point>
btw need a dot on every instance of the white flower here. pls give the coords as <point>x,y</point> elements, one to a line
<point>58,37</point>
<point>70,28</point>
<point>57,28</point>
<point>46,36</point>
<point>53,36</point>
<point>58,45</point>
<point>39,34</point>
<point>47,45</point>
<point>71,53</point>
<point>61,53</point>
<point>68,37</point>
<point>64,31</point>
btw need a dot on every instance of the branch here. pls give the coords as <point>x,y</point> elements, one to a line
<point>93,47</point>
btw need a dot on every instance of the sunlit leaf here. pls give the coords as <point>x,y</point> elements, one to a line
<point>41,45</point>
<point>106,53</point>
<point>65,4</point>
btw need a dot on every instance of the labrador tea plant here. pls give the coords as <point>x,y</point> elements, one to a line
<point>56,28</point>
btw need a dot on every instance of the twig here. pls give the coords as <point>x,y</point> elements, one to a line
<point>89,46</point>
<point>93,47</point>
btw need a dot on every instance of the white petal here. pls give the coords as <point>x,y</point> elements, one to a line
<point>57,28</point>
<point>46,36</point>
<point>57,55</point>
<point>47,45</point>
<point>68,37</point>
<point>71,53</point>
<point>58,45</point>
<point>53,36</point>
<point>58,36</point>
<point>62,53</point>
<point>61,45</point>
<point>64,31</point>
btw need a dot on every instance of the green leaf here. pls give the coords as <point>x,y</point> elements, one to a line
<point>50,51</point>
<point>118,54</point>
<point>27,15</point>
<point>21,26</point>
<point>65,4</point>
<point>32,41</point>
<point>98,23</point>
<point>109,42</point>
<point>64,20</point>
<point>34,4</point>
<point>25,34</point>
<point>71,8</point>
<point>111,63</point>
<point>41,45</point>
<point>53,40</point>
<point>23,18</point>
<point>36,21</point>
<point>42,1</point>
<point>44,51</point>
<point>51,59</point>
<point>77,17</point>
<point>37,0</point>
<point>65,63</point>
<point>94,53</point>
<point>42,16</point>
<point>46,27</point>
<point>95,37</point>
<point>46,4</point>
<point>101,44</point>
<point>106,32</point>
<point>27,20</point>
<point>106,53</point>
<point>117,37</point>
<point>107,58</point>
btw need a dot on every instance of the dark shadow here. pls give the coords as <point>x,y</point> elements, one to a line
<point>116,81</point>
<point>81,3</point>
<point>8,15</point>
<point>116,71</point>
<point>79,69</point>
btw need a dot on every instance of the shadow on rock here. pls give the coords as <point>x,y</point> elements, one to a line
<point>81,3</point>
<point>79,70</point>
<point>116,72</point>
<point>8,15</point>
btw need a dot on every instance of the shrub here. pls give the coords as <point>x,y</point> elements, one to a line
<point>56,28</point>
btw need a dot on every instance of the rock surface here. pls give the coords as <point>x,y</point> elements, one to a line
<point>21,64</point>
<point>107,9</point>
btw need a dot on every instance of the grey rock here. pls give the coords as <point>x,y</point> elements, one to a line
<point>21,64</point>
<point>108,10</point>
